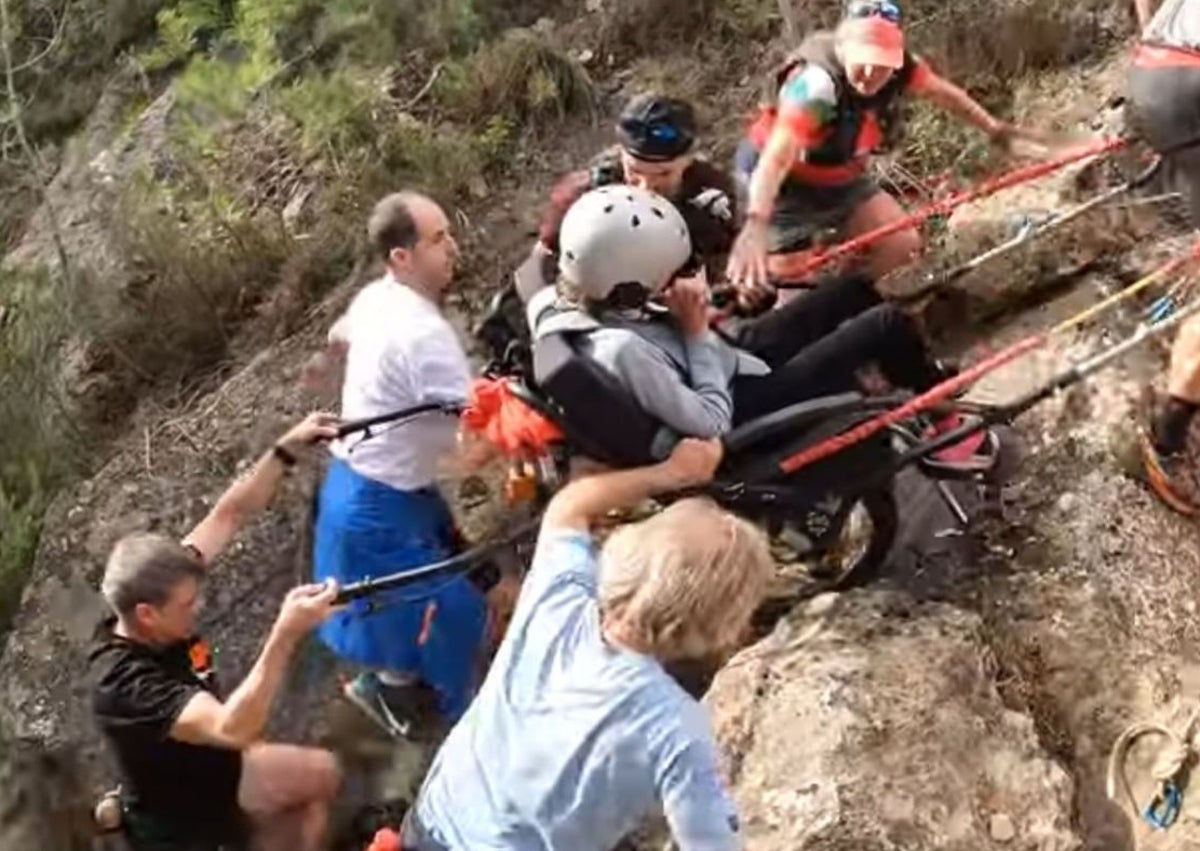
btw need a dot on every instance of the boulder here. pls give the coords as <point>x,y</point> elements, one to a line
<point>868,721</point>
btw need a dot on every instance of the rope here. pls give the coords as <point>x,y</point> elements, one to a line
<point>1165,271</point>
<point>952,386</point>
<point>952,202</point>
<point>1163,809</point>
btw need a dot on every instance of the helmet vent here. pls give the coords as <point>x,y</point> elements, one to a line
<point>657,212</point>
<point>571,255</point>
<point>609,208</point>
<point>635,221</point>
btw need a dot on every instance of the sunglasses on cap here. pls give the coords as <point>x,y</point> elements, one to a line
<point>885,9</point>
<point>643,132</point>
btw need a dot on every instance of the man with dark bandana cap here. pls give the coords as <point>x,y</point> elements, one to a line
<point>656,150</point>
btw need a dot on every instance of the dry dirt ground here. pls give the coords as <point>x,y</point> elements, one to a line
<point>1086,591</point>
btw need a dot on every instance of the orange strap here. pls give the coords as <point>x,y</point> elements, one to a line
<point>815,174</point>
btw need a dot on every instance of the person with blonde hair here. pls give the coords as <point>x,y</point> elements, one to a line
<point>578,732</point>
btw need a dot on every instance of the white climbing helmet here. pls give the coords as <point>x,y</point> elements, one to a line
<point>619,235</point>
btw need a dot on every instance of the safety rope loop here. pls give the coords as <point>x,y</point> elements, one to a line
<point>947,205</point>
<point>1163,810</point>
<point>1169,770</point>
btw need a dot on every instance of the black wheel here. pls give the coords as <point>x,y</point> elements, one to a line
<point>861,531</point>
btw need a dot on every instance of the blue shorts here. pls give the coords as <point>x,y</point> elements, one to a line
<point>433,629</point>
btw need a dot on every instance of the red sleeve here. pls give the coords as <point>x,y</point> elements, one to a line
<point>565,193</point>
<point>922,75</point>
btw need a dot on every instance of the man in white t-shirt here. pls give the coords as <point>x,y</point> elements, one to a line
<point>379,510</point>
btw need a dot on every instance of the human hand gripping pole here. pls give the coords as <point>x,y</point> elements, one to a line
<point>690,466</point>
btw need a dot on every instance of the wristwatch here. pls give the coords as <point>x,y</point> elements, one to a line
<point>285,457</point>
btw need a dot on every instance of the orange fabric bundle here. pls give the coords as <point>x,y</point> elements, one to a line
<point>385,840</point>
<point>507,422</point>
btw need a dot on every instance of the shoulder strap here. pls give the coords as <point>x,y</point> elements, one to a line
<point>816,49</point>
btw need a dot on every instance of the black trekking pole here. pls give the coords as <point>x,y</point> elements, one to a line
<point>461,563</point>
<point>452,409</point>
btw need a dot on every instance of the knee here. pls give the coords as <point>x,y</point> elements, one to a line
<point>903,245</point>
<point>327,776</point>
<point>895,251</point>
<point>895,327</point>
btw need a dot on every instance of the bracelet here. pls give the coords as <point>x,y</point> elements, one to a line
<point>287,458</point>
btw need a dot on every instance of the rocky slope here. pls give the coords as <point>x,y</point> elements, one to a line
<point>970,703</point>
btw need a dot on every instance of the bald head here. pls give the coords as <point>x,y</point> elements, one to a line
<point>411,234</point>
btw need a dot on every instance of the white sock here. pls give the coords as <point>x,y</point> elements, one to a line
<point>395,679</point>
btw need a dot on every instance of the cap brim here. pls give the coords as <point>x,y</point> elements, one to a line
<point>860,53</point>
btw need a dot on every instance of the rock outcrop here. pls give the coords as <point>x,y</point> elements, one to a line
<point>868,721</point>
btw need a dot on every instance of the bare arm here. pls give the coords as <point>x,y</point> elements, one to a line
<point>1144,10</point>
<point>324,367</point>
<point>948,96</point>
<point>782,149</point>
<point>748,260</point>
<point>251,495</point>
<point>586,500</point>
<point>241,719</point>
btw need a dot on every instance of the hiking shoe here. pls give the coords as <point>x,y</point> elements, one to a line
<point>381,703</point>
<point>975,453</point>
<point>1169,478</point>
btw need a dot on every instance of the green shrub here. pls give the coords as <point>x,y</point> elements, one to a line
<point>20,526</point>
<point>200,266</point>
<point>178,29</point>
<point>443,160</point>
<point>520,76</point>
<point>335,114</point>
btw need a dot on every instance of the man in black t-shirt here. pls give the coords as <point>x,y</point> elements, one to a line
<point>195,770</point>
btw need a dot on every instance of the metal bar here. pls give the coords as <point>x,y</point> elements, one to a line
<point>448,408</point>
<point>1002,414</point>
<point>1031,233</point>
<point>455,564</point>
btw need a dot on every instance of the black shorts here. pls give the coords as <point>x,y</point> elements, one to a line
<point>803,210</point>
<point>1165,110</point>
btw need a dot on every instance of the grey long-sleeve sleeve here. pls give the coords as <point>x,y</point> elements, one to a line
<point>703,409</point>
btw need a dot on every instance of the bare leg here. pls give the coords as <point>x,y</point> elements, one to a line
<point>1184,378</point>
<point>892,252</point>
<point>286,791</point>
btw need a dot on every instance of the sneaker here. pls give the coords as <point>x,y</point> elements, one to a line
<point>1168,476</point>
<point>975,453</point>
<point>378,702</point>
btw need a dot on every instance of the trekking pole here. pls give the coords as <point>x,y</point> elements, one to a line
<point>461,563</point>
<point>1030,233</point>
<point>953,202</point>
<point>941,392</point>
<point>1072,375</point>
<point>365,425</point>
